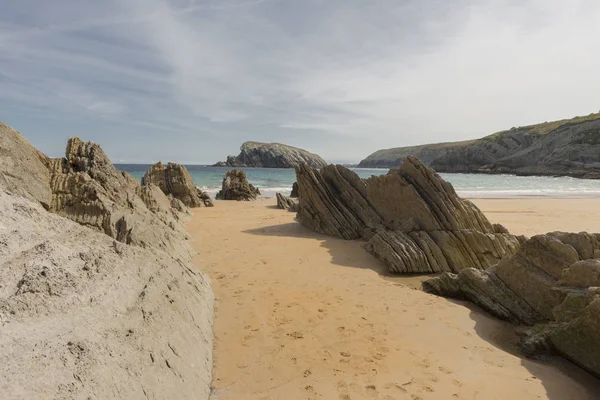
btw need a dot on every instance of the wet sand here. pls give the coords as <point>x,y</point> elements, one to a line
<point>305,316</point>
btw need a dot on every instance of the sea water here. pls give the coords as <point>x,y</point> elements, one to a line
<point>272,180</point>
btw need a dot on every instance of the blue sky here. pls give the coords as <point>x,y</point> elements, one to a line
<point>190,80</point>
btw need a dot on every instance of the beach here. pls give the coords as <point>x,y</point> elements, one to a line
<point>299,315</point>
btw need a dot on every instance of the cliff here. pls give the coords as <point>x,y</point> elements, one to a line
<point>566,147</point>
<point>98,294</point>
<point>272,155</point>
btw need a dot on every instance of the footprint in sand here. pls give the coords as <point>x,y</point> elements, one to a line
<point>444,370</point>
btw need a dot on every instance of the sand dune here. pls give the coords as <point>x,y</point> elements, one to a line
<point>304,316</point>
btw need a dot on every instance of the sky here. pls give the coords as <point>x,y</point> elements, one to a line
<point>191,80</point>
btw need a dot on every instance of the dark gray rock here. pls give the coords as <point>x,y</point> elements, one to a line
<point>271,155</point>
<point>294,193</point>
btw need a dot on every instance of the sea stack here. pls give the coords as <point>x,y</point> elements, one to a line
<point>272,155</point>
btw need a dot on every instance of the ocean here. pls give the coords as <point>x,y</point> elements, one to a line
<point>272,180</point>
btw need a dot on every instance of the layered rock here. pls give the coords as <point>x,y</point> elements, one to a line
<point>567,147</point>
<point>413,220</point>
<point>175,180</point>
<point>272,155</point>
<point>236,187</point>
<point>286,203</point>
<point>551,283</point>
<point>88,189</point>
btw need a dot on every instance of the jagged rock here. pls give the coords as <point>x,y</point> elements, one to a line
<point>413,220</point>
<point>174,179</point>
<point>271,155</point>
<point>551,282</point>
<point>89,190</point>
<point>294,193</point>
<point>81,313</point>
<point>236,187</point>
<point>286,203</point>
<point>23,169</point>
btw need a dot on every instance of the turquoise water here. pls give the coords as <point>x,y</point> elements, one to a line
<point>272,180</point>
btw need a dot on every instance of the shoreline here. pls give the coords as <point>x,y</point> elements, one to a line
<point>305,316</point>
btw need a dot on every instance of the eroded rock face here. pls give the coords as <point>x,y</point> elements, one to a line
<point>23,169</point>
<point>552,283</point>
<point>413,220</point>
<point>271,155</point>
<point>236,187</point>
<point>286,203</point>
<point>94,312</point>
<point>175,180</point>
<point>88,189</point>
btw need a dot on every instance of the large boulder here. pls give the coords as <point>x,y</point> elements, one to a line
<point>88,189</point>
<point>412,219</point>
<point>175,180</point>
<point>236,187</point>
<point>551,283</point>
<point>23,169</point>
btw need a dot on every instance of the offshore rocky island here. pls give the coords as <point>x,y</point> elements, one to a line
<point>271,155</point>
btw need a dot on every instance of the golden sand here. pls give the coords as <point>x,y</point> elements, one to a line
<point>305,316</point>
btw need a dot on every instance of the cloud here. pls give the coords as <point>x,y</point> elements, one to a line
<point>192,79</point>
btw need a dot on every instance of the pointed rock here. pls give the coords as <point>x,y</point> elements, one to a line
<point>174,179</point>
<point>413,220</point>
<point>236,187</point>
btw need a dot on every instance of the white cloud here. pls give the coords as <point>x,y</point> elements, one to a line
<point>374,74</point>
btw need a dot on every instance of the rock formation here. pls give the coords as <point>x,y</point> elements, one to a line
<point>88,189</point>
<point>236,187</point>
<point>567,147</point>
<point>81,311</point>
<point>175,180</point>
<point>413,220</point>
<point>550,283</point>
<point>82,314</point>
<point>272,155</point>
<point>294,193</point>
<point>286,203</point>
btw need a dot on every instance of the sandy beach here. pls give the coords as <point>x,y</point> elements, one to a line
<point>305,316</point>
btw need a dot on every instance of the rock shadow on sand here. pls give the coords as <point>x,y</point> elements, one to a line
<point>498,333</point>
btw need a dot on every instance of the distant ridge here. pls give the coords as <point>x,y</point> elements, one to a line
<point>569,147</point>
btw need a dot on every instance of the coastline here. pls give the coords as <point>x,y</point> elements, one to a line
<point>301,315</point>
